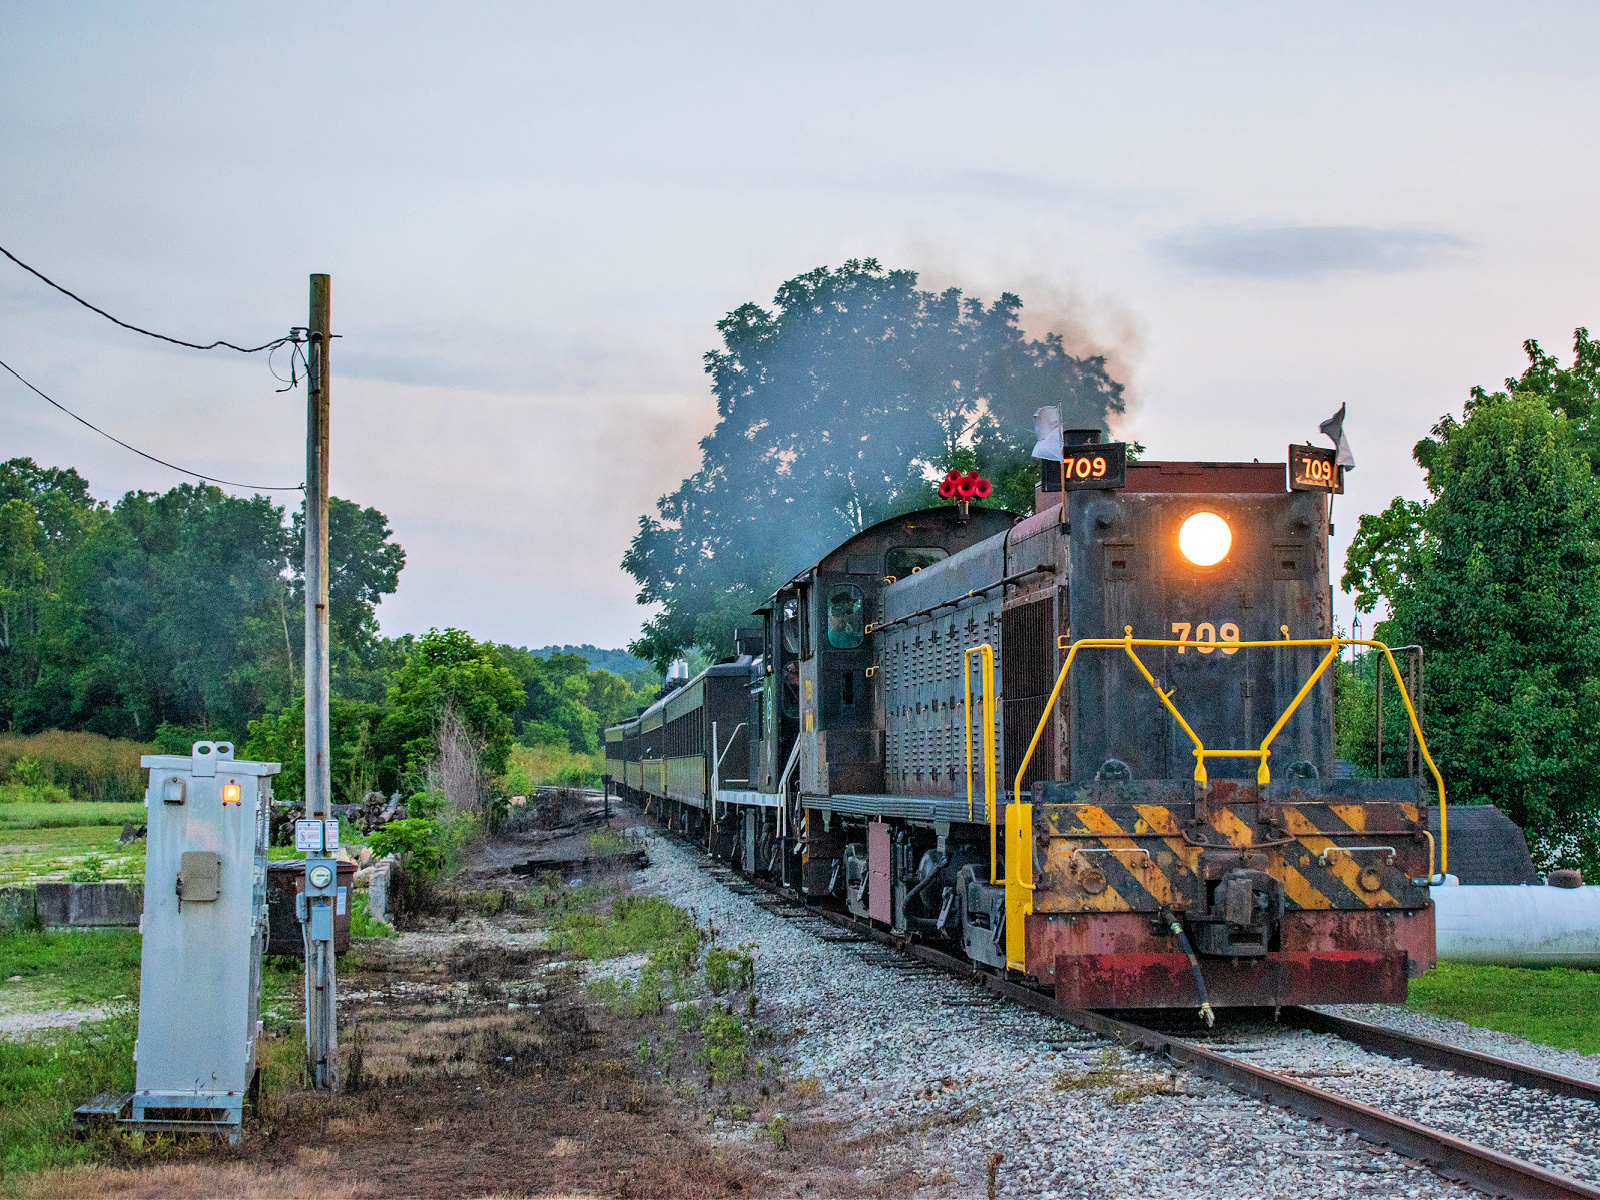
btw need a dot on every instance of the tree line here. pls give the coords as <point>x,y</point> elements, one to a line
<point>168,617</point>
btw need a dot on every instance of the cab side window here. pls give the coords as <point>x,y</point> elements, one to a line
<point>847,617</point>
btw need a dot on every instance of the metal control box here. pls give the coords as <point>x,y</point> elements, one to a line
<point>205,927</point>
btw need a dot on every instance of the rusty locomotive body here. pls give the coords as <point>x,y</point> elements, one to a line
<point>1074,745</point>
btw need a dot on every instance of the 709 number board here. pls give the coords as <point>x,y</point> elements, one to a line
<point>1093,466</point>
<point>1313,469</point>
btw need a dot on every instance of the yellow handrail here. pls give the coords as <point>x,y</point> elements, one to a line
<point>1127,642</point>
<point>985,655</point>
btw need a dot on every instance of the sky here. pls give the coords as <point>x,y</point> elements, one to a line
<point>534,215</point>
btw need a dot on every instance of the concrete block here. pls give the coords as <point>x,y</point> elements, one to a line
<point>110,905</point>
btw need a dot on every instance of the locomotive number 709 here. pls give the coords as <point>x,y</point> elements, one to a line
<point>1207,637</point>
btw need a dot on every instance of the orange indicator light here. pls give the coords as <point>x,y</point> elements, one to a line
<point>230,793</point>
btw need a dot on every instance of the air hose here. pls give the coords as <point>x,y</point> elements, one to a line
<point>1176,926</point>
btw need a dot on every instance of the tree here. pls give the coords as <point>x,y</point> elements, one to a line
<point>187,599</point>
<point>834,409</point>
<point>352,736</point>
<point>564,702</point>
<point>449,669</point>
<point>1498,578</point>
<point>364,566</point>
<point>47,517</point>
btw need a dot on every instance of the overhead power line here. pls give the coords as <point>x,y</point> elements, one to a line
<point>159,336</point>
<point>259,487</point>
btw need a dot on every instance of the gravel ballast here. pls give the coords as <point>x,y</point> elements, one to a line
<point>941,1075</point>
<point>1471,1037</point>
<point>1554,1132</point>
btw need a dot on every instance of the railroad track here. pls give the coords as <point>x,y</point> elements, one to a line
<point>1457,1158</point>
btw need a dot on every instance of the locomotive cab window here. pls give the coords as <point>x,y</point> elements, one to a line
<point>791,625</point>
<point>847,618</point>
<point>791,689</point>
<point>903,560</point>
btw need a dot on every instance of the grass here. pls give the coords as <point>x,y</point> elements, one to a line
<point>29,854</point>
<point>635,925</point>
<point>362,924</point>
<point>70,814</point>
<point>1555,1006</point>
<point>554,764</point>
<point>44,1077</point>
<point>92,966</point>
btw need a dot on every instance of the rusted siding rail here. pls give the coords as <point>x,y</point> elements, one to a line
<point>1430,1053</point>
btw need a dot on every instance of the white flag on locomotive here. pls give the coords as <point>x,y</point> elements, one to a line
<point>1047,428</point>
<point>1333,430</point>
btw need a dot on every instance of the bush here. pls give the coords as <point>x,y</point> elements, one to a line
<point>729,970</point>
<point>90,869</point>
<point>88,766</point>
<point>415,840</point>
<point>33,793</point>
<point>725,1047</point>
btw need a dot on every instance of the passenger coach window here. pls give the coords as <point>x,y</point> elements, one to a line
<point>903,560</point>
<point>846,617</point>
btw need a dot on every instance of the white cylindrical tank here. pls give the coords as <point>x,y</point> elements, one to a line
<point>1518,926</point>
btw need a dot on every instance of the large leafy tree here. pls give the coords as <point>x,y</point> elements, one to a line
<point>363,567</point>
<point>835,407</point>
<point>447,668</point>
<point>189,602</point>
<point>1498,578</point>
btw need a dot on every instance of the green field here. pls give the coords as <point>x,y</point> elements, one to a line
<point>1556,1006</point>
<point>72,814</point>
<point>34,854</point>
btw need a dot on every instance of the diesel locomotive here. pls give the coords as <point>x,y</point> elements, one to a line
<point>1091,748</point>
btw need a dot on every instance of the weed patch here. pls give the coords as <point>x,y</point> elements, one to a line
<point>1114,1075</point>
<point>362,923</point>
<point>724,1052</point>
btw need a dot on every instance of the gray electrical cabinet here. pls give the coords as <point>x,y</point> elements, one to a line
<point>205,927</point>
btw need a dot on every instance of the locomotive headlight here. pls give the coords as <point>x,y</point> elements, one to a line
<point>1204,539</point>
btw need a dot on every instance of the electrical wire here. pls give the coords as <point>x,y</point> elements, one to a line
<point>259,487</point>
<point>159,336</point>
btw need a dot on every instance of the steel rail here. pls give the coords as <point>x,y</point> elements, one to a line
<point>1440,1055</point>
<point>1454,1158</point>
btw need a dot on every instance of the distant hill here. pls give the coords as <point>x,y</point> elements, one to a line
<point>618,662</point>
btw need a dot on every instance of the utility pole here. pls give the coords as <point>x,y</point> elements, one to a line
<point>322,1007</point>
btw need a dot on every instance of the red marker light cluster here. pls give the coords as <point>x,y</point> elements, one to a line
<point>970,486</point>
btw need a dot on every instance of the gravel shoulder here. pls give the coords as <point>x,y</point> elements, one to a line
<point>939,1076</point>
<point>1471,1037</point>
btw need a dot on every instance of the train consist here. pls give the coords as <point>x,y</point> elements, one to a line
<point>1090,748</point>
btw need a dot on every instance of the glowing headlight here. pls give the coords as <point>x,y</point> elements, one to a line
<point>1204,539</point>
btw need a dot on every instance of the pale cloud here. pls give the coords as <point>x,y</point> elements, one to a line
<point>1308,251</point>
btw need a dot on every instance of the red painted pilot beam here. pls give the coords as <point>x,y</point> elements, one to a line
<point>1283,978</point>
